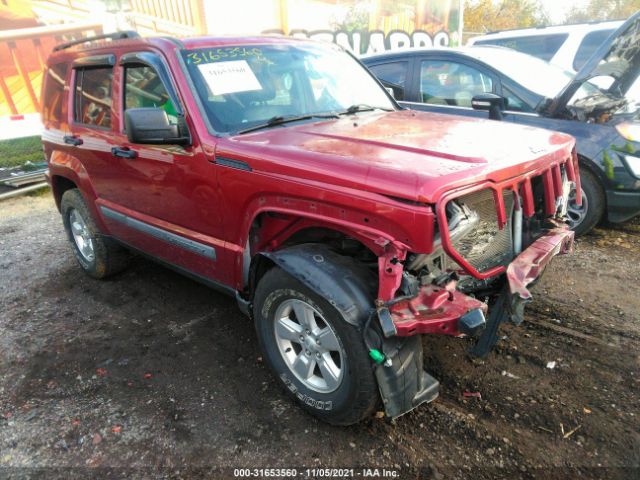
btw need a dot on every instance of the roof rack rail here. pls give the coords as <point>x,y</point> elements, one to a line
<point>105,36</point>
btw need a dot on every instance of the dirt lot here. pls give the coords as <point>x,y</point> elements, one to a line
<point>151,375</point>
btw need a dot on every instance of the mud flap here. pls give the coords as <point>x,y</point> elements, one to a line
<point>402,381</point>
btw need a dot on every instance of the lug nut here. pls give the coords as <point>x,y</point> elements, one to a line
<point>308,353</point>
<point>302,338</point>
<point>317,354</point>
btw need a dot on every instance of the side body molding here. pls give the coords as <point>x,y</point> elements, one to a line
<point>168,237</point>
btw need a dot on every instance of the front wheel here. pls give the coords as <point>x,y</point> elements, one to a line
<point>318,357</point>
<point>586,216</point>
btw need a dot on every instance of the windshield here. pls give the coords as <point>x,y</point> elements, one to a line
<point>538,76</point>
<point>241,87</point>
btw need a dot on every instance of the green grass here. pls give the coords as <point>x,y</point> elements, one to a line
<point>18,151</point>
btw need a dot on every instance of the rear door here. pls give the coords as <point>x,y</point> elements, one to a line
<point>91,127</point>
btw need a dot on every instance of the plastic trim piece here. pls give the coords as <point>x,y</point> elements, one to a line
<point>95,61</point>
<point>403,383</point>
<point>105,36</point>
<point>231,163</point>
<point>185,243</point>
<point>336,278</point>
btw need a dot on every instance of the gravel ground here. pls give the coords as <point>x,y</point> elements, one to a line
<point>150,375</point>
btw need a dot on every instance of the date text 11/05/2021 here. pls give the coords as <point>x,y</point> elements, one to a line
<point>364,472</point>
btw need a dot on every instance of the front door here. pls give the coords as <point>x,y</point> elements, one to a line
<point>447,86</point>
<point>164,199</point>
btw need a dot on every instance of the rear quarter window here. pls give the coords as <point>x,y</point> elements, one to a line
<point>541,46</point>
<point>588,46</point>
<point>53,101</point>
<point>393,74</point>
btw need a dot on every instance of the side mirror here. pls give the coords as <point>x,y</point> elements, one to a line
<point>495,104</point>
<point>152,126</point>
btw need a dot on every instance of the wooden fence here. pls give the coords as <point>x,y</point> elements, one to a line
<point>23,53</point>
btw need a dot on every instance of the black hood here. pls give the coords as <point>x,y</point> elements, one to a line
<point>618,57</point>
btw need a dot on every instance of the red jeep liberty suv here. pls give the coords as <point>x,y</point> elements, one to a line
<point>281,172</point>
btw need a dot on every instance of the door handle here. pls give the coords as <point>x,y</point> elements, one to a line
<point>72,140</point>
<point>124,152</point>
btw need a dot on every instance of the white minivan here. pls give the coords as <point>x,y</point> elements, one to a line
<point>568,46</point>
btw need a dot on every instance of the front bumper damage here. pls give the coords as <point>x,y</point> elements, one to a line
<point>529,265</point>
<point>402,380</point>
<point>439,310</point>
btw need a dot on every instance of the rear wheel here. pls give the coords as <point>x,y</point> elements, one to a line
<point>320,359</point>
<point>586,216</point>
<point>98,256</point>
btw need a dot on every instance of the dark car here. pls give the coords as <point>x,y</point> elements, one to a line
<point>604,121</point>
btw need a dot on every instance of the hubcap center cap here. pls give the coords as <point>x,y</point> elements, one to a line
<point>310,343</point>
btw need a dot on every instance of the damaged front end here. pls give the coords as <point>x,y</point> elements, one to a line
<point>493,242</point>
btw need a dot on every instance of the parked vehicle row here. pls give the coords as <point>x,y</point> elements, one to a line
<point>281,172</point>
<point>529,91</point>
<point>567,46</point>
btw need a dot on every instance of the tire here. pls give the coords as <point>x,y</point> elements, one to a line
<point>584,218</point>
<point>98,256</point>
<point>339,399</point>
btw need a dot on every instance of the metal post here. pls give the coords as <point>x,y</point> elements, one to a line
<point>460,22</point>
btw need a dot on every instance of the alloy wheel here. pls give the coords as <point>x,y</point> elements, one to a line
<point>309,346</point>
<point>81,235</point>
<point>575,213</point>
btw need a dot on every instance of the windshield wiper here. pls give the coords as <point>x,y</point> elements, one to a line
<point>281,120</point>
<point>361,107</point>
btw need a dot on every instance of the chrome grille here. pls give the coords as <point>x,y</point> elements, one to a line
<point>486,245</point>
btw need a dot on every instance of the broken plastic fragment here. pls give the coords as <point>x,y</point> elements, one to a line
<point>472,394</point>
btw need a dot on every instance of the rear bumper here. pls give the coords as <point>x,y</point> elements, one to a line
<point>440,310</point>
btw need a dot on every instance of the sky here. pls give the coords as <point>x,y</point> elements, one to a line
<point>558,8</point>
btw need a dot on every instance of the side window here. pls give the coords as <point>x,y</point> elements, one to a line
<point>451,83</point>
<point>393,75</point>
<point>541,46</point>
<point>144,88</point>
<point>515,104</point>
<point>588,46</point>
<point>53,94</point>
<point>92,104</point>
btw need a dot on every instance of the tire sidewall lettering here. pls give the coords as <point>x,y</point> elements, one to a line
<point>303,395</point>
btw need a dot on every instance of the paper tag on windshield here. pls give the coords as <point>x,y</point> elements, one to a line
<point>229,77</point>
